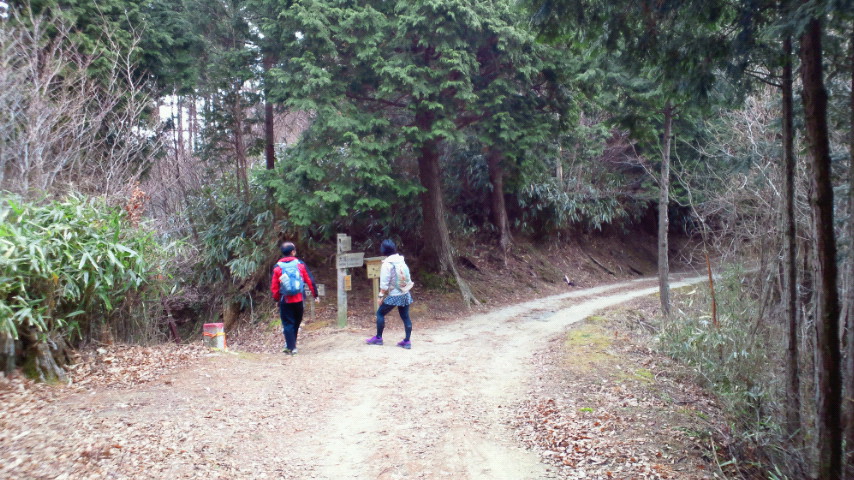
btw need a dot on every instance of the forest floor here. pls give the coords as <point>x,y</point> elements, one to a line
<point>556,387</point>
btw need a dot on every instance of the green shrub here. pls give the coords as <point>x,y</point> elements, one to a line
<point>549,206</point>
<point>67,264</point>
<point>237,244</point>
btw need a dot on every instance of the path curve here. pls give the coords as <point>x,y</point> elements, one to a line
<point>345,410</point>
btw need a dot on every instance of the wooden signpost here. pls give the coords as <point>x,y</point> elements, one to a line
<point>349,260</point>
<point>373,264</point>
<point>343,261</point>
<point>343,246</point>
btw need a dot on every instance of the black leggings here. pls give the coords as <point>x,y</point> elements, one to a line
<point>404,315</point>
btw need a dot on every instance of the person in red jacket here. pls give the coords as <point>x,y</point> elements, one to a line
<point>291,306</point>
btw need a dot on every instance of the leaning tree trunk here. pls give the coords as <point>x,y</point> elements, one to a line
<point>829,388</point>
<point>663,217</point>
<point>849,294</point>
<point>437,240</point>
<point>790,295</point>
<point>494,158</point>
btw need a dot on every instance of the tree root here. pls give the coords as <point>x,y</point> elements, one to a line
<point>45,357</point>
<point>465,290</point>
<point>43,365</point>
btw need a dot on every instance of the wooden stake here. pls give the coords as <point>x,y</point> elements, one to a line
<point>376,289</point>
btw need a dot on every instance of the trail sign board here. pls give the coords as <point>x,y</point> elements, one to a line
<point>373,265</point>
<point>321,290</point>
<point>350,260</point>
<point>348,283</point>
<point>345,243</point>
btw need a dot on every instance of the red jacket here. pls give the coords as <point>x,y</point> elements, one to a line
<point>306,277</point>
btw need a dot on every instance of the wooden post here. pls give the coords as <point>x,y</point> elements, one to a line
<point>343,246</point>
<point>313,316</point>
<point>321,292</point>
<point>373,264</point>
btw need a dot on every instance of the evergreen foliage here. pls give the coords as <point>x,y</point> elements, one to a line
<point>171,45</point>
<point>89,21</point>
<point>391,84</point>
<point>235,235</point>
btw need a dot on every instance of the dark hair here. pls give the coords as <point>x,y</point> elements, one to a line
<point>288,248</point>
<point>388,248</point>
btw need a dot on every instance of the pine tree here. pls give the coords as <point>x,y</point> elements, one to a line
<point>394,82</point>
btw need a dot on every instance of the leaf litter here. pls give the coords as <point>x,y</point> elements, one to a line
<point>36,440</point>
<point>601,404</point>
<point>604,405</point>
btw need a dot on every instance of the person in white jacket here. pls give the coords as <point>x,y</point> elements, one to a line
<point>395,283</point>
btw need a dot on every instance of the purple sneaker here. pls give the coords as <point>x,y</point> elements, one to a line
<point>404,344</point>
<point>374,341</point>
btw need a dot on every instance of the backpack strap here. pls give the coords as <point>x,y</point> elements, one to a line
<point>396,279</point>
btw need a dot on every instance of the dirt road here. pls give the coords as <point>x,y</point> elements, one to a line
<point>339,410</point>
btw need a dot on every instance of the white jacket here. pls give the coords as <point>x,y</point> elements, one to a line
<point>387,281</point>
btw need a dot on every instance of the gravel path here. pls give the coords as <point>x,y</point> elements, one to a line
<point>338,410</point>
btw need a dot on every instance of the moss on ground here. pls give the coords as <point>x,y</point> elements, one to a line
<point>596,320</point>
<point>641,375</point>
<point>587,347</point>
<point>316,325</point>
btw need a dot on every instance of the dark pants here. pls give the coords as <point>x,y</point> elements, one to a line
<point>291,315</point>
<point>404,315</point>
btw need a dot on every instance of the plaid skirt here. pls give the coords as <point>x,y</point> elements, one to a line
<point>399,300</point>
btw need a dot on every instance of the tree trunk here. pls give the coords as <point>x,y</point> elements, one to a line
<point>790,289</point>
<point>269,140</point>
<point>663,218</point>
<point>230,314</point>
<point>193,123</point>
<point>240,147</point>
<point>437,241</point>
<point>269,145</point>
<point>174,116</point>
<point>829,388</point>
<point>180,113</point>
<point>849,294</point>
<point>7,353</point>
<point>499,211</point>
<point>437,252</point>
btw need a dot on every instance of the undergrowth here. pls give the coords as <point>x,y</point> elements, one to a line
<point>72,270</point>
<point>736,356</point>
